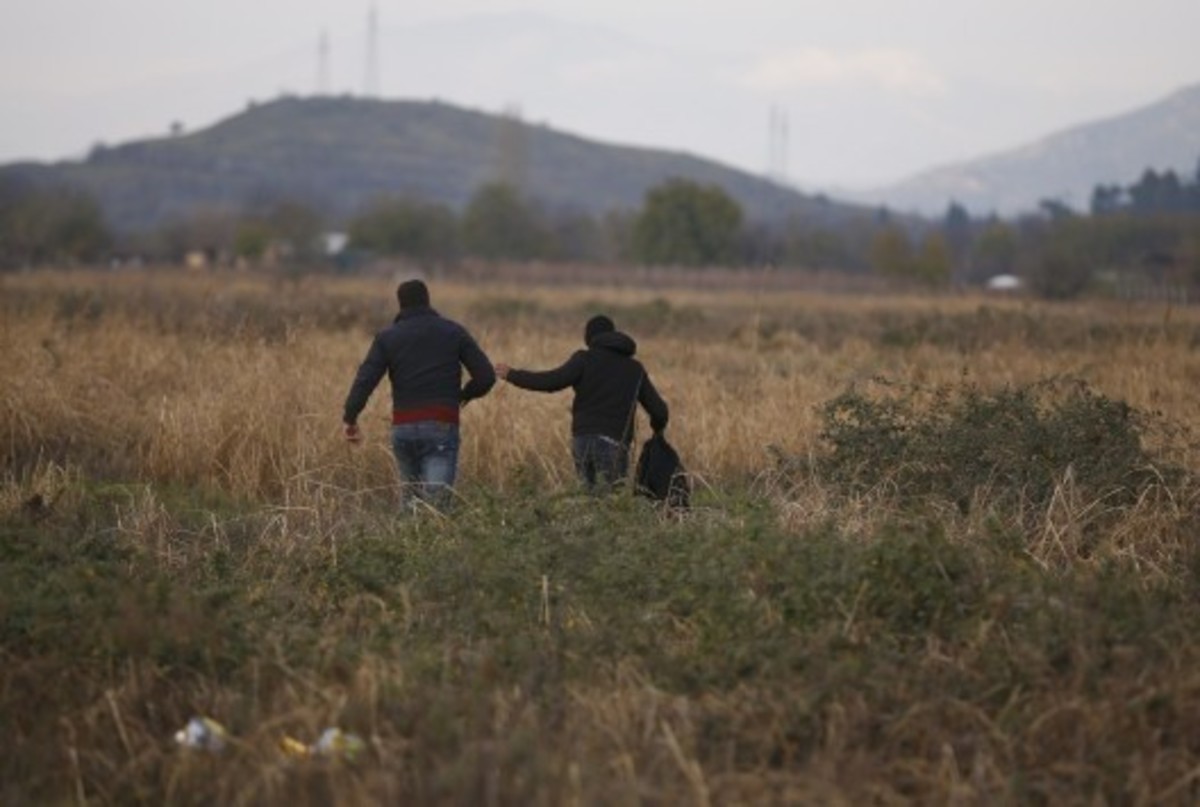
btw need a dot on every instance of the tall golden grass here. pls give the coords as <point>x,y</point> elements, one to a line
<point>153,376</point>
<point>236,382</point>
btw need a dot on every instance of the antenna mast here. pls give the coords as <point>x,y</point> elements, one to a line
<point>323,63</point>
<point>777,145</point>
<point>371,89</point>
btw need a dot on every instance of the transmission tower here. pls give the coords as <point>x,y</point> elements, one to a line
<point>371,86</point>
<point>784,144</point>
<point>323,63</point>
<point>777,144</point>
<point>512,149</point>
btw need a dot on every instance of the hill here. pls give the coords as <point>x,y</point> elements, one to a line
<point>1065,166</point>
<point>338,153</point>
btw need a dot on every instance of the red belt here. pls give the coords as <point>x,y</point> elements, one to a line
<point>438,412</point>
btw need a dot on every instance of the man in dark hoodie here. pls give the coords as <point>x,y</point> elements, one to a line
<point>609,383</point>
<point>423,355</point>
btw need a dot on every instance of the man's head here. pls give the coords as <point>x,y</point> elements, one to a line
<point>595,326</point>
<point>412,294</point>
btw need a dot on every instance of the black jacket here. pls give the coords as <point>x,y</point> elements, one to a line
<point>423,355</point>
<point>606,379</point>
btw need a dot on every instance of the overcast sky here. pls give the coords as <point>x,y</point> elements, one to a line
<point>872,90</point>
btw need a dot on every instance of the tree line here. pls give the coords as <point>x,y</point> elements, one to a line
<point>1154,193</point>
<point>1148,232</point>
<point>681,222</point>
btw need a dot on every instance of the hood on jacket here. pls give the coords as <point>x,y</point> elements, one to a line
<point>615,341</point>
<point>595,326</point>
<point>415,311</point>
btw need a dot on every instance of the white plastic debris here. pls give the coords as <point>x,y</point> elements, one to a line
<point>335,742</point>
<point>202,734</point>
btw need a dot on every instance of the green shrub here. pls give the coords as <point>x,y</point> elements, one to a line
<point>1016,444</point>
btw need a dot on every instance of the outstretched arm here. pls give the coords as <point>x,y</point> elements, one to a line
<point>548,380</point>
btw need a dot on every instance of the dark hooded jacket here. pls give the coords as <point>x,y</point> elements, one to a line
<point>607,381</point>
<point>423,355</point>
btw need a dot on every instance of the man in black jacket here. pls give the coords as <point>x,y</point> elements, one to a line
<point>423,355</point>
<point>609,384</point>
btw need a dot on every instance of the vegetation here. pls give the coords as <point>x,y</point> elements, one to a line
<point>338,154</point>
<point>687,224</point>
<point>941,588</point>
<point>417,182</point>
<point>58,225</point>
<point>425,233</point>
<point>499,225</point>
<point>1012,446</point>
<point>1154,193</point>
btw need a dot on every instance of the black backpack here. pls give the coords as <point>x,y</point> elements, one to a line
<point>661,476</point>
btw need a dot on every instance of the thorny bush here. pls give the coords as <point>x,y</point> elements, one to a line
<point>1016,444</point>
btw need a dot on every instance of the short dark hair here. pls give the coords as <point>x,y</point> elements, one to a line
<point>412,294</point>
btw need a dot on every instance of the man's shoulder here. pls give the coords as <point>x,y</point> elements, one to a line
<point>451,326</point>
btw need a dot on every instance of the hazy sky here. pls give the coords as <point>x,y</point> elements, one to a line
<point>872,90</point>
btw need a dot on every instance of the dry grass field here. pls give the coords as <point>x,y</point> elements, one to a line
<point>971,583</point>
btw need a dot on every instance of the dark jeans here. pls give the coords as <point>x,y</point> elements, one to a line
<point>427,455</point>
<point>600,461</point>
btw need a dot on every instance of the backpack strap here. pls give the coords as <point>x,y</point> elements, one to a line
<point>631,421</point>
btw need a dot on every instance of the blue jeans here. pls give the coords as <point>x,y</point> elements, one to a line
<point>600,461</point>
<point>427,455</point>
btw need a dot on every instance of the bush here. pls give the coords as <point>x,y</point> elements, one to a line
<point>1017,443</point>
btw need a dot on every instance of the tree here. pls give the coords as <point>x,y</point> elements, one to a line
<point>296,229</point>
<point>891,252</point>
<point>933,265</point>
<point>1058,259</point>
<point>994,252</point>
<point>417,230</point>
<point>576,236</point>
<point>1193,191</point>
<point>956,229</point>
<point>251,240</point>
<point>50,225</point>
<point>1156,193</point>
<point>1106,200</point>
<point>500,225</point>
<point>1152,194</point>
<point>817,247</point>
<point>616,235</point>
<point>1055,209</point>
<point>685,223</point>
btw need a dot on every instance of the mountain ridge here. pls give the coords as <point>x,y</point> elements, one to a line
<point>1064,166</point>
<point>337,153</point>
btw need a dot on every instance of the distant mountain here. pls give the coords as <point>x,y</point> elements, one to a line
<point>336,154</point>
<point>1065,167</point>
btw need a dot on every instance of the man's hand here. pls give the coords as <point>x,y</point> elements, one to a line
<point>352,433</point>
<point>502,371</point>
